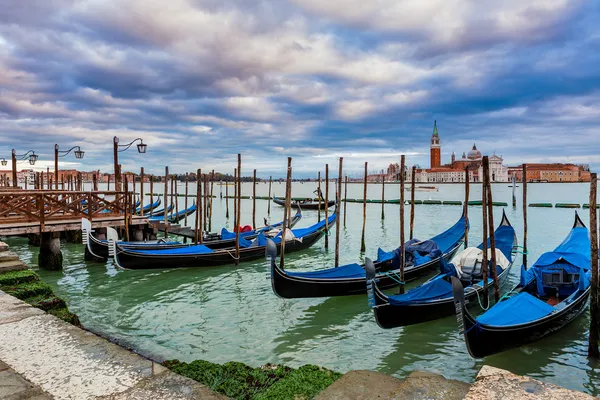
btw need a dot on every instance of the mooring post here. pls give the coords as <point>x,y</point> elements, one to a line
<point>50,256</point>
<point>319,197</point>
<point>287,204</point>
<point>514,189</point>
<point>176,181</point>
<point>254,200</point>
<point>142,191</point>
<point>594,336</point>
<point>227,197</point>
<point>128,206</point>
<point>197,228</point>
<point>412,201</point>
<point>206,192</point>
<point>166,208</point>
<point>338,199</point>
<point>484,263</point>
<point>151,195</point>
<point>524,215</point>
<point>173,186</point>
<point>402,236</point>
<point>239,206</point>
<point>327,206</point>
<point>490,204</point>
<point>345,198</point>
<point>363,247</point>
<point>466,207</point>
<point>107,183</point>
<point>95,182</point>
<point>235,198</point>
<point>187,178</point>
<point>134,191</point>
<point>269,199</point>
<point>382,195</point>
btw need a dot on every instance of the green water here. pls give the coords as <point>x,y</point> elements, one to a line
<point>230,313</point>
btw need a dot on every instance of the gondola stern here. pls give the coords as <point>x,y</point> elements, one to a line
<point>466,322</point>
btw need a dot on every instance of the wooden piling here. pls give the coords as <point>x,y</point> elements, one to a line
<point>212,187</point>
<point>484,263</point>
<point>466,207</point>
<point>254,200</point>
<point>338,199</point>
<point>363,246</point>
<point>235,197</point>
<point>107,182</point>
<point>134,188</point>
<point>127,208</point>
<point>319,196</point>
<point>187,182</point>
<point>514,189</point>
<point>205,190</point>
<point>151,194</point>
<point>176,194</point>
<point>166,196</point>
<point>288,200</point>
<point>525,215</point>
<point>382,195</point>
<point>402,237</point>
<point>594,336</point>
<point>326,206</point>
<point>95,182</point>
<point>269,199</point>
<point>239,206</point>
<point>490,204</point>
<point>199,194</point>
<point>412,202</point>
<point>345,198</point>
<point>197,232</point>
<point>142,191</point>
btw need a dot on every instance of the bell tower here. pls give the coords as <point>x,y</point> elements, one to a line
<point>435,149</point>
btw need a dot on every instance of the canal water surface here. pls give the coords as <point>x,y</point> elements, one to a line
<point>230,313</point>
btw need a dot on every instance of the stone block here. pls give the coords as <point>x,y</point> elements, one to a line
<point>362,385</point>
<point>8,256</point>
<point>3,247</point>
<point>8,266</point>
<point>494,383</point>
<point>12,309</point>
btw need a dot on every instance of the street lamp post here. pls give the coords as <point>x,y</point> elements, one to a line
<point>18,157</point>
<point>78,154</point>
<point>141,147</point>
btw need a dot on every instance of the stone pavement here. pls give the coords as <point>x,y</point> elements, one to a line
<point>44,357</point>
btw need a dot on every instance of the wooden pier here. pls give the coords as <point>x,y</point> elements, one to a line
<point>49,212</point>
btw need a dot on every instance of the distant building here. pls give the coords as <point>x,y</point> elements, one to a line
<point>556,172</point>
<point>455,170</point>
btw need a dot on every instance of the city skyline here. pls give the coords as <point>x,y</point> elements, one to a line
<point>315,81</point>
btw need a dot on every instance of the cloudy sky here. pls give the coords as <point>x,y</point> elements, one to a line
<point>201,80</point>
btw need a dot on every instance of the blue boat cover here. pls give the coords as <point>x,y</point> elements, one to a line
<point>192,249</point>
<point>572,256</point>
<point>421,254</point>
<point>225,234</point>
<point>515,310</point>
<point>504,237</point>
<point>344,272</point>
<point>301,232</point>
<point>436,289</point>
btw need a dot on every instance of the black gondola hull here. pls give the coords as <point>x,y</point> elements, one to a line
<point>289,287</point>
<point>484,340</point>
<point>305,206</point>
<point>133,260</point>
<point>388,316</point>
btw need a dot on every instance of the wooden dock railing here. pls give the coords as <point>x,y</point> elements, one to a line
<point>43,206</point>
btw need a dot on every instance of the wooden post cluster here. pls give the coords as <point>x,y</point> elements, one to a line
<point>484,263</point>
<point>269,199</point>
<point>254,200</point>
<point>490,204</point>
<point>319,198</point>
<point>166,197</point>
<point>382,195</point>
<point>345,199</point>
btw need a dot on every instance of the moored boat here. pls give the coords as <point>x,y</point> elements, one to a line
<point>423,257</point>
<point>307,204</point>
<point>201,255</point>
<point>434,298</point>
<point>552,293</point>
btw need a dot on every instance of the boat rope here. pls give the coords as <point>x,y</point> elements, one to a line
<point>232,256</point>
<point>478,298</point>
<point>395,277</point>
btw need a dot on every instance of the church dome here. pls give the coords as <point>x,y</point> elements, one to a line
<point>474,154</point>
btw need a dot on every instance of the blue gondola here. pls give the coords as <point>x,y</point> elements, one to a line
<point>434,299</point>
<point>549,296</point>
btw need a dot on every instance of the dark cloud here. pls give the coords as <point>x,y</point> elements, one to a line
<point>205,79</point>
